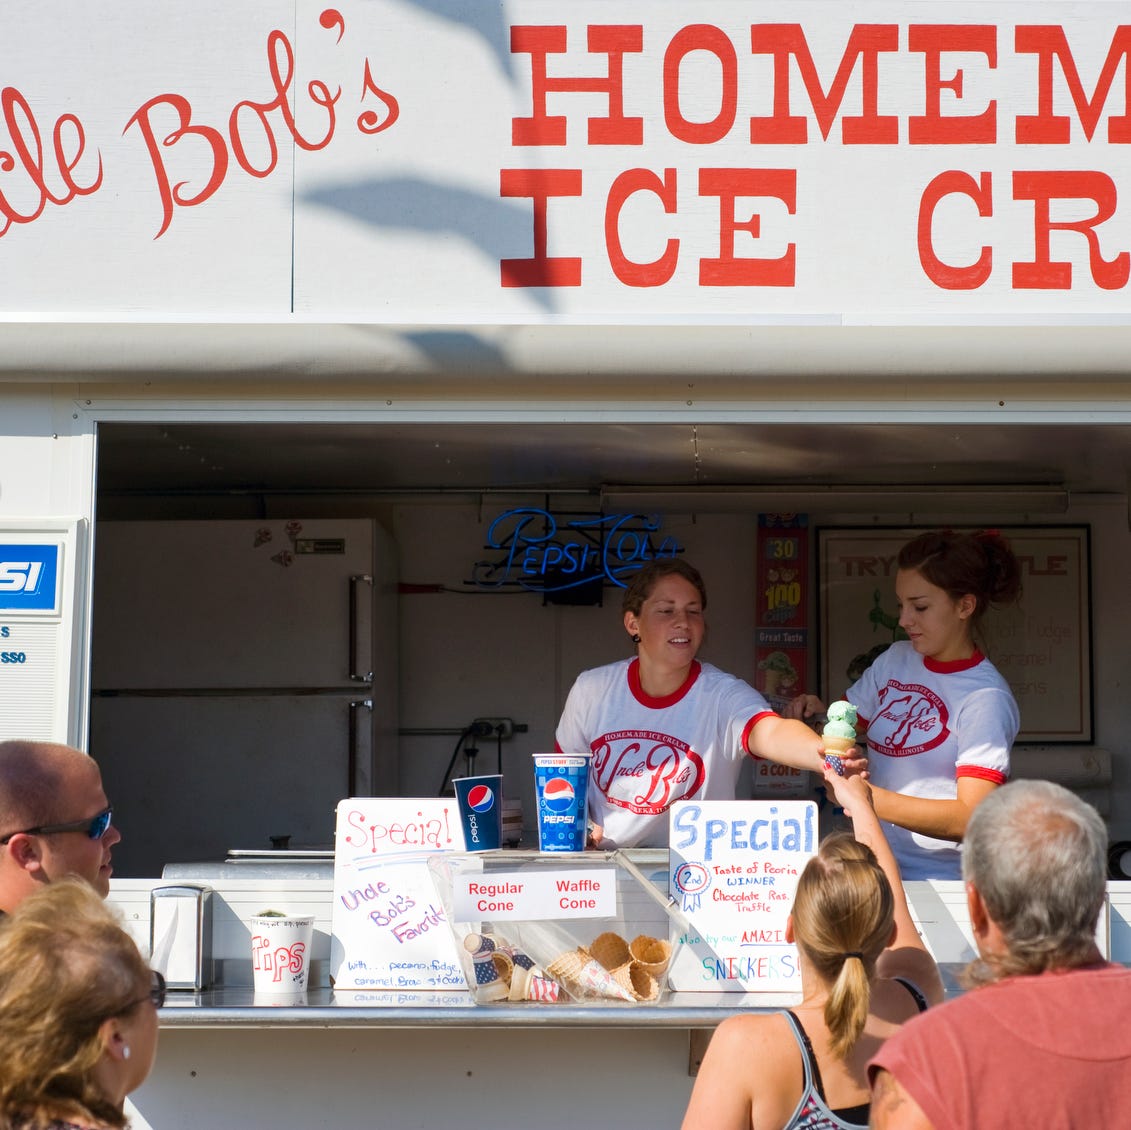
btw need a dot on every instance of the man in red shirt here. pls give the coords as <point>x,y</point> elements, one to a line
<point>1042,1039</point>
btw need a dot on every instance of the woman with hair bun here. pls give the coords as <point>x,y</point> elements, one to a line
<point>938,718</point>
<point>78,1012</point>
<point>864,972</point>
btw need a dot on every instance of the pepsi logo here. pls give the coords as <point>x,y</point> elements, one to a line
<point>558,794</point>
<point>480,798</point>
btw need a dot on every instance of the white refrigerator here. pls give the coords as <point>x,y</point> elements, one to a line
<point>244,680</point>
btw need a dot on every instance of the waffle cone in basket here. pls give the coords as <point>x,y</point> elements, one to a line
<point>638,981</point>
<point>567,967</point>
<point>651,954</point>
<point>610,949</point>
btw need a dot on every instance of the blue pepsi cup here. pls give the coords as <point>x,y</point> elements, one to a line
<point>480,802</point>
<point>561,789</point>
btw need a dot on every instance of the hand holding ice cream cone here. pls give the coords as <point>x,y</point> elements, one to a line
<point>839,735</point>
<point>852,793</point>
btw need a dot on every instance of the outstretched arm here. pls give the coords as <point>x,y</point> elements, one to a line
<point>907,956</point>
<point>944,819</point>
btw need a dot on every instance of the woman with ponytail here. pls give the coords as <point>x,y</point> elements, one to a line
<point>938,718</point>
<point>864,971</point>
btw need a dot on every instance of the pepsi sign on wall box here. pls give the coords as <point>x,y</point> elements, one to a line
<point>481,810</point>
<point>29,577</point>
<point>561,790</point>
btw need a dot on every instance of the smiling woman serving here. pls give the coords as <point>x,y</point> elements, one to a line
<point>939,717</point>
<point>663,726</point>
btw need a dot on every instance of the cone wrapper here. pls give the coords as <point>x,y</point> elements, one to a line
<point>583,976</point>
<point>542,989</point>
<point>520,981</point>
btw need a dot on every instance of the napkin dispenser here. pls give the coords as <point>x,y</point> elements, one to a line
<point>180,935</point>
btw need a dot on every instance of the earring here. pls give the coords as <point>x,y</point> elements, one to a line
<point>125,1051</point>
<point>635,639</point>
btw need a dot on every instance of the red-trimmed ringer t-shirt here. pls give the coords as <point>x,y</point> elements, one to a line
<point>650,752</point>
<point>930,723</point>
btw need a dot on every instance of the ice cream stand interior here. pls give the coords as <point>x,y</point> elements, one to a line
<point>465,355</point>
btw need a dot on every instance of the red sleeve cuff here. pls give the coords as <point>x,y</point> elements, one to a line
<point>750,729</point>
<point>981,773</point>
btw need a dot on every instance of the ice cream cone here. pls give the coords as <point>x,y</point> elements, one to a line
<point>837,745</point>
<point>637,980</point>
<point>651,954</point>
<point>566,968</point>
<point>610,949</point>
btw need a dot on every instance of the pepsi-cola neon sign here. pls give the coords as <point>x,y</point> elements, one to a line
<point>548,553</point>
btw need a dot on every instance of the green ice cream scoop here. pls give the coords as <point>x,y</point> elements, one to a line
<point>841,720</point>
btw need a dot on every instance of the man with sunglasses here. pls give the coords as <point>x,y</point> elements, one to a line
<point>55,820</point>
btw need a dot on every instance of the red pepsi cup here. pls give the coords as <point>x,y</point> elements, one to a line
<point>561,789</point>
<point>480,802</point>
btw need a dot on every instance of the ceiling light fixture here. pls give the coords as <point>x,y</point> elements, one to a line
<point>1004,499</point>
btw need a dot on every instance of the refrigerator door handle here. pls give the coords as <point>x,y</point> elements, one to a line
<point>351,769</point>
<point>355,675</point>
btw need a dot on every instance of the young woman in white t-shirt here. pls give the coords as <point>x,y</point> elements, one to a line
<point>664,726</point>
<point>938,718</point>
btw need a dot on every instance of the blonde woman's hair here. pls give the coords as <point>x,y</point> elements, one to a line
<point>66,966</point>
<point>843,914</point>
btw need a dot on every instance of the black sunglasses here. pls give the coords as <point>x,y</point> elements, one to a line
<point>94,826</point>
<point>156,992</point>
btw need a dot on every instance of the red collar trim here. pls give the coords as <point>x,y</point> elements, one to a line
<point>646,699</point>
<point>953,665</point>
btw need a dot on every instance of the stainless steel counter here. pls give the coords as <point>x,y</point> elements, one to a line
<point>236,1007</point>
<point>323,1008</point>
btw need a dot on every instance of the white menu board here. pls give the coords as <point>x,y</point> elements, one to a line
<point>389,930</point>
<point>734,867</point>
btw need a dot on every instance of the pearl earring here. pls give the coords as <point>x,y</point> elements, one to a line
<point>125,1051</point>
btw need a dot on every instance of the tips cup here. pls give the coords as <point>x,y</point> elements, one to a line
<point>480,802</point>
<point>280,953</point>
<point>561,787</point>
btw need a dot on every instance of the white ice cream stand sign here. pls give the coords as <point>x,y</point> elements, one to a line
<point>734,867</point>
